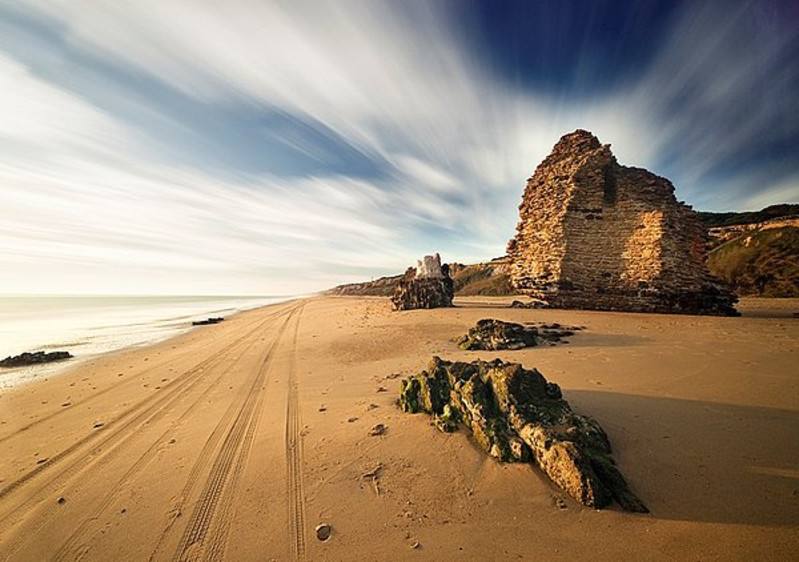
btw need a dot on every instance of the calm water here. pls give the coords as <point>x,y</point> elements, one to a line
<point>86,325</point>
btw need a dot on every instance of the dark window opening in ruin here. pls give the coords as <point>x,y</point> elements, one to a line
<point>610,185</point>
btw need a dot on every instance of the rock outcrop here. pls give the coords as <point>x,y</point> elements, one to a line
<point>208,321</point>
<point>533,303</point>
<point>428,285</point>
<point>34,358</point>
<point>515,415</point>
<point>594,234</point>
<point>491,335</point>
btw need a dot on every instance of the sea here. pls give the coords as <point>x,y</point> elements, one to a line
<point>87,326</point>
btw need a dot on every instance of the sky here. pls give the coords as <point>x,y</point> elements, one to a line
<point>255,147</point>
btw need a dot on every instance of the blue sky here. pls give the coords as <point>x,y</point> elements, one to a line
<point>199,147</point>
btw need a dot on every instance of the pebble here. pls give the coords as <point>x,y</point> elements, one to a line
<point>323,531</point>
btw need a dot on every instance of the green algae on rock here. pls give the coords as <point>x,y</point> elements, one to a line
<point>515,415</point>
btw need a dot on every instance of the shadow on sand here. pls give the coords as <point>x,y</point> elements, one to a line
<point>702,461</point>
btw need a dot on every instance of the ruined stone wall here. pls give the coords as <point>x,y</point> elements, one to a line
<point>537,251</point>
<point>594,234</point>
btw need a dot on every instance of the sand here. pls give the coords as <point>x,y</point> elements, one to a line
<point>234,441</point>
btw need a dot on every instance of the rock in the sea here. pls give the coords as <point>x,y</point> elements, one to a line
<point>428,285</point>
<point>35,358</point>
<point>490,335</point>
<point>515,415</point>
<point>216,320</point>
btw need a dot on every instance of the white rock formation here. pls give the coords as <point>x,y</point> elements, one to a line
<point>429,267</point>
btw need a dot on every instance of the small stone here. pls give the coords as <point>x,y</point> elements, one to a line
<point>382,389</point>
<point>378,429</point>
<point>323,531</point>
<point>61,500</point>
<point>415,545</point>
<point>98,424</point>
<point>352,419</point>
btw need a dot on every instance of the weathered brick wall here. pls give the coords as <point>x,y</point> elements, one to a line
<point>594,234</point>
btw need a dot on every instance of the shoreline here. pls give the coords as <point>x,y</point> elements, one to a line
<point>156,330</point>
<point>262,422</point>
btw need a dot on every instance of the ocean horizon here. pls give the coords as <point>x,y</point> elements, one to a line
<point>88,325</point>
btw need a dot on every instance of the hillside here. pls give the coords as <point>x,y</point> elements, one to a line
<point>748,217</point>
<point>382,287</point>
<point>484,279</point>
<point>763,262</point>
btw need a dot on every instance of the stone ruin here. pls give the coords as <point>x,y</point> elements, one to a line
<point>597,235</point>
<point>428,285</point>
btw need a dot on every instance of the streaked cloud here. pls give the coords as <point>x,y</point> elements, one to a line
<point>253,147</point>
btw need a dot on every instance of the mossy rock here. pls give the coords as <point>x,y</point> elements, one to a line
<point>516,415</point>
<point>491,335</point>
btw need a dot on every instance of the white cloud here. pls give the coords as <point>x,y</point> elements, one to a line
<point>83,192</point>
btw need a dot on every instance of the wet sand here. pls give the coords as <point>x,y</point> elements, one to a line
<point>234,441</point>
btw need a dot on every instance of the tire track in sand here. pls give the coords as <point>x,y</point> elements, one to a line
<point>220,480</point>
<point>294,460</point>
<point>116,433</point>
<point>154,400</point>
<point>72,549</point>
<point>218,542</point>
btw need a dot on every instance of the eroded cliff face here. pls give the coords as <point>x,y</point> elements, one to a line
<point>598,235</point>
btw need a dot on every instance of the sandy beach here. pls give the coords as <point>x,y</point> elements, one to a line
<point>234,441</point>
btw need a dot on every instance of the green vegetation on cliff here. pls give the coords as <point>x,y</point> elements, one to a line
<point>764,262</point>
<point>483,279</point>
